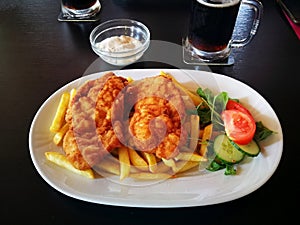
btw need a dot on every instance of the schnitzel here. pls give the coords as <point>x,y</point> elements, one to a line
<point>107,113</point>
<point>156,117</point>
<point>91,134</point>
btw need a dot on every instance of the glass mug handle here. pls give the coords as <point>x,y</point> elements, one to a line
<point>257,8</point>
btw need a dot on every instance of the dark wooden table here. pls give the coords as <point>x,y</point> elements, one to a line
<point>38,55</point>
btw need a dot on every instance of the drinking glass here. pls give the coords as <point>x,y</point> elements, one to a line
<point>211,25</point>
<point>79,10</point>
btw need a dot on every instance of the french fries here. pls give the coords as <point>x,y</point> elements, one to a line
<point>184,166</point>
<point>110,165</point>
<point>127,162</point>
<point>137,160</point>
<point>151,160</point>
<point>193,157</point>
<point>124,162</point>
<point>58,137</point>
<point>195,124</point>
<point>129,79</point>
<point>61,160</point>
<point>59,118</point>
<point>170,163</point>
<point>72,95</point>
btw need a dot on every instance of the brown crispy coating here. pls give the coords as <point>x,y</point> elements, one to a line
<point>72,152</point>
<point>106,113</point>
<point>106,98</point>
<point>91,135</point>
<point>156,125</point>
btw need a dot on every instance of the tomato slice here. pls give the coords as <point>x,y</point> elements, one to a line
<point>231,104</point>
<point>239,126</point>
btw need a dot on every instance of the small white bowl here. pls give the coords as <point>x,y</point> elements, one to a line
<point>117,28</point>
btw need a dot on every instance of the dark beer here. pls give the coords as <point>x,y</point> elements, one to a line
<point>78,4</point>
<point>212,23</point>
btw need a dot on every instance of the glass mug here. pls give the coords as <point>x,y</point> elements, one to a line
<point>211,26</point>
<point>80,9</point>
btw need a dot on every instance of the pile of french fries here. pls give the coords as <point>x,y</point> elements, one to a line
<point>127,162</point>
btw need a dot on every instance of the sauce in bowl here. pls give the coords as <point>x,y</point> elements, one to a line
<point>118,44</point>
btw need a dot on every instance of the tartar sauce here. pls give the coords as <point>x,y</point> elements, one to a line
<point>120,50</point>
<point>118,44</point>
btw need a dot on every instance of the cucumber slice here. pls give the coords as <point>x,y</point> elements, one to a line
<point>252,149</point>
<point>225,151</point>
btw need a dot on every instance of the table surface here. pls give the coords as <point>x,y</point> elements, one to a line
<point>38,55</point>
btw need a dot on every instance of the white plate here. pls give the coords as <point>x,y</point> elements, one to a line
<point>197,190</point>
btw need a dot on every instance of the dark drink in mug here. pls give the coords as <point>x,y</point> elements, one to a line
<point>212,23</point>
<point>78,4</point>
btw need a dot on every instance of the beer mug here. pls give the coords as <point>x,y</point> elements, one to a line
<point>211,26</point>
<point>79,9</point>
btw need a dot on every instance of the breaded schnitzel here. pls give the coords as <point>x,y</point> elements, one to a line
<point>107,113</point>
<point>73,153</point>
<point>155,123</point>
<point>91,134</point>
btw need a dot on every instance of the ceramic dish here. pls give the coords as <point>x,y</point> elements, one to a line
<point>198,189</point>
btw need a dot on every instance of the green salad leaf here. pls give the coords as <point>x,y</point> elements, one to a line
<point>262,132</point>
<point>214,105</point>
